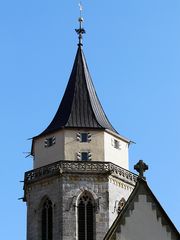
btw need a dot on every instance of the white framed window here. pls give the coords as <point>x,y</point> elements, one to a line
<point>48,142</point>
<point>83,137</point>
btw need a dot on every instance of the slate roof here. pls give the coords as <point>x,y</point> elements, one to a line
<point>80,106</point>
<point>141,188</point>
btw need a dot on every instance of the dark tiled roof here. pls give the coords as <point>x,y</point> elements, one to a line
<point>80,106</point>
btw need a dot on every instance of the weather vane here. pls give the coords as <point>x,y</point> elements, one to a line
<point>80,31</point>
<point>80,8</point>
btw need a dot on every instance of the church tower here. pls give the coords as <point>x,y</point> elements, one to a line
<point>80,176</point>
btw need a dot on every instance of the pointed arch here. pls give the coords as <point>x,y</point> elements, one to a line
<point>46,219</point>
<point>86,216</point>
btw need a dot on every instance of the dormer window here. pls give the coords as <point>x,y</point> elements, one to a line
<point>83,137</point>
<point>48,142</point>
<point>84,156</point>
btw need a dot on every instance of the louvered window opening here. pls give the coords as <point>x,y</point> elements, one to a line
<point>85,218</point>
<point>115,143</point>
<point>83,137</point>
<point>84,156</point>
<point>48,142</point>
<point>47,221</point>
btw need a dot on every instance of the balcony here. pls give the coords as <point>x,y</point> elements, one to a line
<point>80,167</point>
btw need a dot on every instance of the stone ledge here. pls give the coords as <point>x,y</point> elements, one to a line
<point>79,167</point>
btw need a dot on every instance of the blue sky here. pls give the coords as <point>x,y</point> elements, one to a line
<point>133,52</point>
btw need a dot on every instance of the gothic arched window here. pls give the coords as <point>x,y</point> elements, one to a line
<point>86,217</point>
<point>47,220</point>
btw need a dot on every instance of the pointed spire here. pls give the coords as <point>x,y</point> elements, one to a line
<point>80,106</point>
<point>80,31</point>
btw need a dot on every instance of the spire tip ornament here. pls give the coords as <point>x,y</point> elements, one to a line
<point>80,31</point>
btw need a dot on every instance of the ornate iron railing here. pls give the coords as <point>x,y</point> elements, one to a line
<point>85,167</point>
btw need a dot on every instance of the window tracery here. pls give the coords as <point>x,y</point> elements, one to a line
<point>86,216</point>
<point>47,220</point>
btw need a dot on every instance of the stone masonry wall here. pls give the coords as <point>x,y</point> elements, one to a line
<point>35,194</point>
<point>64,191</point>
<point>118,189</point>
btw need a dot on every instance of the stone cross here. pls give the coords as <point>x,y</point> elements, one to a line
<point>141,167</point>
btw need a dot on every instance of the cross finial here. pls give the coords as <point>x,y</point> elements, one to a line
<point>80,31</point>
<point>141,167</point>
